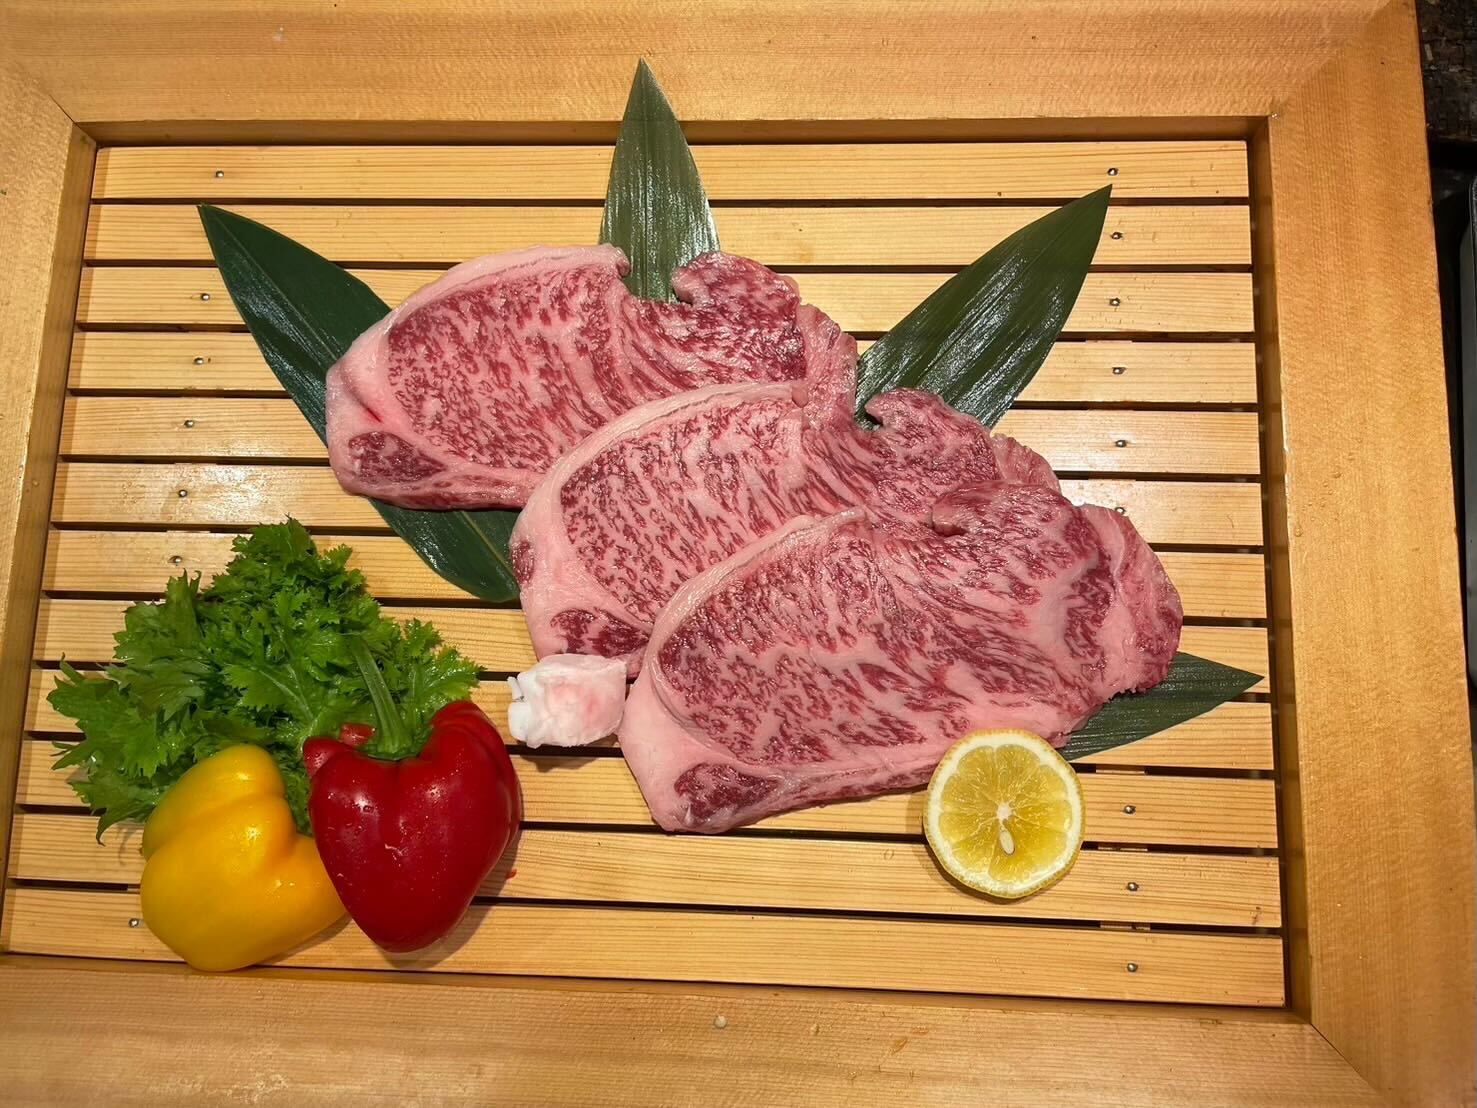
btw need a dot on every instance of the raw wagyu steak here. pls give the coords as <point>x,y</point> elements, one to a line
<point>465,394</point>
<point>841,656</point>
<point>672,487</point>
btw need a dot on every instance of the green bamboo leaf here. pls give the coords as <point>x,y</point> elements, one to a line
<point>1194,686</point>
<point>655,206</point>
<point>304,311</point>
<point>981,337</point>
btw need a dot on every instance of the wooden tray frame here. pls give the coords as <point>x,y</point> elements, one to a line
<point>1377,790</point>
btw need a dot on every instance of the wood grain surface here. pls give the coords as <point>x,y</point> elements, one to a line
<point>45,165</point>
<point>752,948</point>
<point>1201,513</point>
<point>832,236</point>
<point>1159,303</point>
<point>563,69</point>
<point>796,873</point>
<point>705,1044</point>
<point>260,427</point>
<point>831,172</point>
<point>1186,374</point>
<point>1122,808</point>
<point>1369,617</point>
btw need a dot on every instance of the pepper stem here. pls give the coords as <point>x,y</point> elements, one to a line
<point>391,725</point>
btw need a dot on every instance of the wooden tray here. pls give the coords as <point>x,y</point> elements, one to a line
<point>1216,382</point>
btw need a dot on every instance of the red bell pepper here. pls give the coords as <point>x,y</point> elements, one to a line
<point>408,843</point>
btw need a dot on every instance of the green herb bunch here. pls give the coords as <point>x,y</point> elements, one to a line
<point>261,655</point>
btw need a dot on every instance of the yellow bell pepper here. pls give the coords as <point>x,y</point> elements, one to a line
<point>228,880</point>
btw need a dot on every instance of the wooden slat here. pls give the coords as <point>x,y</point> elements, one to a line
<point>793,873</point>
<point>497,639</point>
<point>1198,513</point>
<point>1243,647</point>
<point>734,946</point>
<point>1241,739</point>
<point>1075,372</point>
<point>866,302</point>
<point>1218,585</point>
<point>807,236</point>
<point>1173,811</point>
<point>1236,735</point>
<point>1226,586</point>
<point>951,171</point>
<point>1166,810</point>
<point>259,427</point>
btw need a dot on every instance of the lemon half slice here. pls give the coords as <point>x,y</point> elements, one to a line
<point>1004,813</point>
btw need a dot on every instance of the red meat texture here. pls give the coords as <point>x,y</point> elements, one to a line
<point>466,394</point>
<point>842,655</point>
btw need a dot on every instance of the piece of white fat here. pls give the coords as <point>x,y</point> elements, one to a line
<point>567,700</point>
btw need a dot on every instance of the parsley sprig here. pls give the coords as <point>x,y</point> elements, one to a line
<point>264,655</point>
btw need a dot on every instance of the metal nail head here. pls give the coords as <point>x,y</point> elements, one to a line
<point>219,173</point>
<point>1116,235</point>
<point>1113,171</point>
<point>1129,809</point>
<point>1133,886</point>
<point>205,296</point>
<point>720,1022</point>
<point>175,559</point>
<point>199,361</point>
<point>1133,967</point>
<point>1120,443</point>
<point>1119,370</point>
<point>132,921</point>
<point>1113,300</point>
<point>1122,511</point>
<point>184,493</point>
<point>189,423</point>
